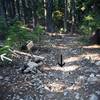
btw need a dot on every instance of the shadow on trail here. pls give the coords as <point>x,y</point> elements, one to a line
<point>63,83</point>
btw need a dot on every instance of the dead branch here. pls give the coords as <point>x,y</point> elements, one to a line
<point>16,52</point>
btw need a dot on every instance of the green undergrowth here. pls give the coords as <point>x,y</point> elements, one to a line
<point>18,33</point>
<point>84,40</point>
<point>89,24</point>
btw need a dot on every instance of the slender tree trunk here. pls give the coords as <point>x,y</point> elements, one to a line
<point>65,16</point>
<point>61,5</point>
<point>3,10</point>
<point>29,3</point>
<point>34,12</point>
<point>2,19</point>
<point>49,22</point>
<point>13,8</point>
<point>45,14</point>
<point>35,17</point>
<point>73,17</point>
<point>24,10</point>
<point>18,8</point>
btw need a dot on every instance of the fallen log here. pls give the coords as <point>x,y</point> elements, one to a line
<point>16,52</point>
<point>30,65</point>
<point>27,54</point>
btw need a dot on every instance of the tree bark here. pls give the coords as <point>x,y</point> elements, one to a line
<point>18,8</point>
<point>45,13</point>
<point>3,11</point>
<point>73,17</point>
<point>61,5</point>
<point>24,11</point>
<point>65,16</point>
<point>4,8</point>
<point>35,17</point>
<point>49,22</point>
<point>13,8</point>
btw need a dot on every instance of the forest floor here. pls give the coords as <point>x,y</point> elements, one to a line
<point>78,79</point>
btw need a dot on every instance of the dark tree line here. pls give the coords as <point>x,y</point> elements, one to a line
<point>69,12</point>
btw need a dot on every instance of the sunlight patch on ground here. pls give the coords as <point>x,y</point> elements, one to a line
<point>60,87</point>
<point>71,59</point>
<point>92,56</point>
<point>92,47</point>
<point>62,46</point>
<point>70,68</point>
<point>74,87</point>
<point>55,87</point>
<point>63,69</point>
<point>56,34</point>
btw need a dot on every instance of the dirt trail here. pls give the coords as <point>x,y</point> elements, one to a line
<point>78,79</point>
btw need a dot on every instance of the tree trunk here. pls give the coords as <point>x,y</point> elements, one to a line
<point>73,17</point>
<point>45,14</point>
<point>10,12</point>
<point>24,10</point>
<point>61,5</point>
<point>65,16</point>
<point>29,3</point>
<point>49,23</point>
<point>3,10</point>
<point>34,12</point>
<point>18,8</point>
<point>13,8</point>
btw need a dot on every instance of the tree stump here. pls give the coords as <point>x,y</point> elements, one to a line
<point>96,37</point>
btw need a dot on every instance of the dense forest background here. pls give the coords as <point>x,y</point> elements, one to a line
<point>55,15</point>
<point>21,20</point>
<point>49,49</point>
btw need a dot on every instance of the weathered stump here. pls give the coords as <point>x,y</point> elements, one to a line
<point>96,37</point>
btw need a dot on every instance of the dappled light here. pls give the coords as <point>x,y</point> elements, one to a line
<point>61,46</point>
<point>60,87</point>
<point>74,87</point>
<point>92,56</point>
<point>64,69</point>
<point>70,68</point>
<point>71,59</point>
<point>92,47</point>
<point>56,87</point>
<point>49,49</point>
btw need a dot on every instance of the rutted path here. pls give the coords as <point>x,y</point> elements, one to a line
<point>79,79</point>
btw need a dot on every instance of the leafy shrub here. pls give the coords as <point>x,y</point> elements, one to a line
<point>57,17</point>
<point>38,32</point>
<point>15,34</point>
<point>19,33</point>
<point>89,24</point>
<point>84,40</point>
